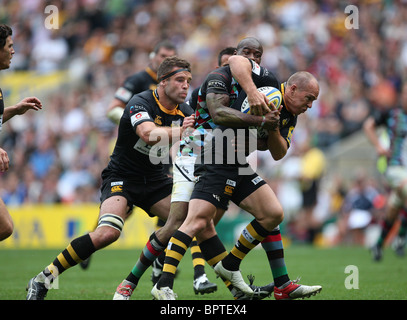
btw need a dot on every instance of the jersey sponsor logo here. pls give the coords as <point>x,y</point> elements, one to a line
<point>231,183</point>
<point>257,180</point>
<point>158,120</point>
<point>176,123</point>
<point>230,186</point>
<point>229,190</point>
<point>157,153</point>
<point>290,134</point>
<point>216,84</point>
<point>123,94</point>
<point>139,116</point>
<point>116,189</point>
<point>116,183</point>
<point>256,68</point>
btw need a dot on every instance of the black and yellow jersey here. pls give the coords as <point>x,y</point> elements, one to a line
<point>131,156</point>
<point>136,83</point>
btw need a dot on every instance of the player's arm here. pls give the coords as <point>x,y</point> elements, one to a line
<point>242,68</point>
<point>121,97</point>
<point>115,110</point>
<point>369,127</point>
<point>31,103</point>
<point>4,160</point>
<point>276,144</point>
<point>152,134</point>
<point>222,114</point>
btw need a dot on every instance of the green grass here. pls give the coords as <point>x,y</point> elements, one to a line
<point>386,280</point>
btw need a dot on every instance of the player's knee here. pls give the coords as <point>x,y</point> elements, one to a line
<point>108,230</point>
<point>107,236</point>
<point>6,230</point>
<point>200,224</point>
<point>273,218</point>
<point>174,222</point>
<point>279,215</point>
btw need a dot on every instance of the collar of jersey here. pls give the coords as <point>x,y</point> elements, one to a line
<point>152,73</point>
<point>282,94</point>
<point>282,90</point>
<point>173,112</point>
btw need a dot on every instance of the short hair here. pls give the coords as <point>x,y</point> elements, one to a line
<point>165,44</point>
<point>226,51</point>
<point>249,41</point>
<point>302,79</point>
<point>5,32</point>
<point>169,63</point>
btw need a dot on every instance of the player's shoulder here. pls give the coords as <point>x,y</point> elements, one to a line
<point>223,71</point>
<point>140,75</point>
<point>143,99</point>
<point>218,79</point>
<point>186,109</point>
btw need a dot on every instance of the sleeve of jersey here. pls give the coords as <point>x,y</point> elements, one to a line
<point>380,117</point>
<point>186,109</point>
<point>217,82</point>
<point>139,114</point>
<point>126,91</point>
<point>287,131</point>
<point>264,78</point>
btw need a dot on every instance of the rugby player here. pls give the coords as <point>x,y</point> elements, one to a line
<point>395,122</point>
<point>182,188</point>
<point>250,192</point>
<point>31,103</point>
<point>139,82</point>
<point>152,120</point>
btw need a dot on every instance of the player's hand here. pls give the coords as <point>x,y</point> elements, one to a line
<point>189,122</point>
<point>30,103</point>
<point>382,151</point>
<point>258,103</point>
<point>272,120</point>
<point>4,161</point>
<point>188,125</point>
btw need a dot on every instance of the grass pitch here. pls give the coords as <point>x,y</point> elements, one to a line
<point>366,280</point>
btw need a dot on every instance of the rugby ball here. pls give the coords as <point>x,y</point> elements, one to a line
<point>274,97</point>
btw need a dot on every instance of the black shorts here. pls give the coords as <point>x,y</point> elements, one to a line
<point>142,194</point>
<point>218,184</point>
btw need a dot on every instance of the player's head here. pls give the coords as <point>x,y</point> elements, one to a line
<point>224,55</point>
<point>250,48</point>
<point>6,46</point>
<point>174,76</point>
<point>301,90</point>
<point>161,51</point>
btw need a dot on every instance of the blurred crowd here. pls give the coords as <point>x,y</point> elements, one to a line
<point>57,154</point>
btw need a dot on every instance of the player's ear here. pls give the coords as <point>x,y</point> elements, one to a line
<point>163,83</point>
<point>293,88</point>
